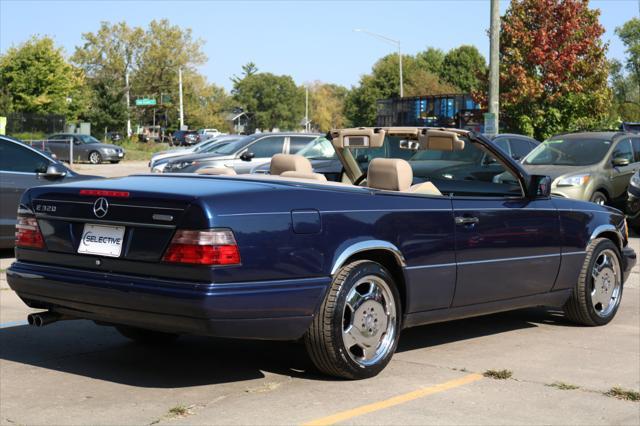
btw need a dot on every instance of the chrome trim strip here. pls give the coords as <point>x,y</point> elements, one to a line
<point>251,214</point>
<point>436,265</point>
<point>111,204</point>
<point>572,253</point>
<point>365,246</point>
<point>61,201</point>
<point>106,222</point>
<point>476,262</point>
<point>386,210</point>
<point>607,228</point>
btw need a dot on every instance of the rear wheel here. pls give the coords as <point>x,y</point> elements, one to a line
<point>95,157</point>
<point>599,198</point>
<point>356,331</point>
<point>149,337</point>
<point>597,294</point>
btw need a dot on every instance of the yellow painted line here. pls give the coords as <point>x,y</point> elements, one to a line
<point>391,402</point>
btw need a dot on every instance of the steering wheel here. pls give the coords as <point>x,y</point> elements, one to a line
<point>359,179</point>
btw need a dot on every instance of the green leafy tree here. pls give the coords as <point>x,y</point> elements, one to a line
<point>384,82</point>
<point>106,57</point>
<point>36,78</point>
<point>431,60</point>
<point>626,86</point>
<point>553,69</point>
<point>272,101</point>
<point>326,105</point>
<point>464,67</point>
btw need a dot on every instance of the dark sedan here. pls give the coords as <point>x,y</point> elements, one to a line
<point>22,167</point>
<point>85,148</point>
<point>633,204</point>
<point>341,266</point>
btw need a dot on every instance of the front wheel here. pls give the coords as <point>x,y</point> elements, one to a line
<point>597,294</point>
<point>599,198</point>
<point>95,157</point>
<point>356,330</point>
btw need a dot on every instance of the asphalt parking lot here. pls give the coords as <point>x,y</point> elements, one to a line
<point>76,372</point>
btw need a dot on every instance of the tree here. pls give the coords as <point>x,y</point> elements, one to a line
<point>464,67</point>
<point>326,105</point>
<point>272,101</point>
<point>431,60</point>
<point>36,78</point>
<point>384,82</point>
<point>248,69</point>
<point>629,33</point>
<point>553,70</point>
<point>106,57</point>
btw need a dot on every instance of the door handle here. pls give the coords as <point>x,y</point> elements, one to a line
<point>466,220</point>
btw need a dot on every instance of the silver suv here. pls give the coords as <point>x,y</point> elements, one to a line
<point>590,166</point>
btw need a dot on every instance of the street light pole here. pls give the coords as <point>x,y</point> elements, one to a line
<point>180,94</point>
<point>388,40</point>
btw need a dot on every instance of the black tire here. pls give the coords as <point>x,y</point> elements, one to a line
<point>579,308</point>
<point>600,198</point>
<point>147,337</point>
<point>95,157</point>
<point>324,339</point>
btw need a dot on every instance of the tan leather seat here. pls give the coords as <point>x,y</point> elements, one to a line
<point>281,163</point>
<point>395,174</point>
<point>216,171</point>
<point>299,175</point>
<point>427,188</point>
<point>391,174</point>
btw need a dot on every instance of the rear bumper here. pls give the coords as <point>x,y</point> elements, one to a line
<point>274,310</point>
<point>629,259</point>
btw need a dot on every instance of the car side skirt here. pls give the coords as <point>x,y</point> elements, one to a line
<point>555,299</point>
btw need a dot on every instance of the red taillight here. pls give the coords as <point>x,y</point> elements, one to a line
<point>103,193</point>
<point>211,247</point>
<point>28,233</point>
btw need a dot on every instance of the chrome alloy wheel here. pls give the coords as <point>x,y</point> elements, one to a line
<point>606,283</point>
<point>94,157</point>
<point>369,321</point>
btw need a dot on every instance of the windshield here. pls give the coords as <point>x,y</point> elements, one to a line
<point>318,149</point>
<point>470,154</point>
<point>88,139</point>
<point>229,148</point>
<point>569,152</point>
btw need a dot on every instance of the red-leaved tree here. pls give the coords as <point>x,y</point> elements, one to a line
<point>553,69</point>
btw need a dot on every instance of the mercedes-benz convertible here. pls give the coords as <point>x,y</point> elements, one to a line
<point>342,266</point>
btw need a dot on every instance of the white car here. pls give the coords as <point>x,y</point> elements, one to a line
<point>204,134</point>
<point>159,160</point>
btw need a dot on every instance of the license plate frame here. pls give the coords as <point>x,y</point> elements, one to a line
<point>102,240</point>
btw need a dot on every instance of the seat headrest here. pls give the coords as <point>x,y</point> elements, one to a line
<point>289,163</point>
<point>216,171</point>
<point>300,175</point>
<point>391,174</point>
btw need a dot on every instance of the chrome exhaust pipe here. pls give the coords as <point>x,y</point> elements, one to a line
<point>41,319</point>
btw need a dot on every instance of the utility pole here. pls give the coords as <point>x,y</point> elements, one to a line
<point>126,82</point>
<point>180,94</point>
<point>494,69</point>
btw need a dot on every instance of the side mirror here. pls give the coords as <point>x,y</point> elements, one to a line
<point>247,156</point>
<point>55,171</point>
<point>76,142</point>
<point>620,162</point>
<point>539,186</point>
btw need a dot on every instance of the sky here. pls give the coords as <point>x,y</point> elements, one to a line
<point>309,40</point>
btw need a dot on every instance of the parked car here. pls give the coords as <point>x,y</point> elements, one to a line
<point>323,158</point>
<point>590,166</point>
<point>160,160</point>
<point>244,154</point>
<point>114,136</point>
<point>85,148</point>
<point>185,137</point>
<point>630,127</point>
<point>22,167</point>
<point>341,266</point>
<point>633,202</point>
<point>204,134</point>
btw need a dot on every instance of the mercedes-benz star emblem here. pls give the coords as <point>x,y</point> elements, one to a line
<point>101,207</point>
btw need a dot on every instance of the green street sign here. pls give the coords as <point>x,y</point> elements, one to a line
<point>145,101</point>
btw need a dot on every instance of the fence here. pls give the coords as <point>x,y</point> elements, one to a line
<point>24,122</point>
<point>62,148</point>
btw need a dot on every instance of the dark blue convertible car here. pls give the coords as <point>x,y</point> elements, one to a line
<point>344,266</point>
